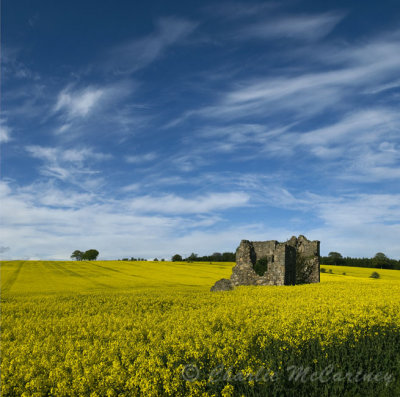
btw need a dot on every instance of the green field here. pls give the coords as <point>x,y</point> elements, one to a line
<point>114,328</point>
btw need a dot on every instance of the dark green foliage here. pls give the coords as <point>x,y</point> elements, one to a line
<point>192,257</point>
<point>89,255</point>
<point>330,271</point>
<point>137,259</point>
<point>215,257</point>
<point>375,275</point>
<point>379,261</point>
<point>77,255</point>
<point>322,270</point>
<point>176,258</point>
<point>261,266</point>
<point>335,258</point>
<point>368,356</point>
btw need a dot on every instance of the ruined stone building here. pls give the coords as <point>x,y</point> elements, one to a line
<point>295,261</point>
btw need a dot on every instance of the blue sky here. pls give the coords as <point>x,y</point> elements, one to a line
<point>149,129</point>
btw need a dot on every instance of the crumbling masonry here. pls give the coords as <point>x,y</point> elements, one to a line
<point>295,261</point>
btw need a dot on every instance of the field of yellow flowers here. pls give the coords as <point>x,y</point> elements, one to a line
<point>115,328</point>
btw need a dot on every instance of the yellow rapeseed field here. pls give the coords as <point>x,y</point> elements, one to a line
<point>113,328</point>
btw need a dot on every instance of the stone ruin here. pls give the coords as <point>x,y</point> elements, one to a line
<point>295,261</point>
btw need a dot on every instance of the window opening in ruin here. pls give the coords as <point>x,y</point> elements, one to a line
<point>261,266</point>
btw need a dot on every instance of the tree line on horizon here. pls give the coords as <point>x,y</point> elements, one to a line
<point>379,261</point>
<point>215,257</point>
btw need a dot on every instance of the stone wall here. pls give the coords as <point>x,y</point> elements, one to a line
<point>295,261</point>
<point>307,259</point>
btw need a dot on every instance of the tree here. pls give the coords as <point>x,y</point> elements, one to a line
<point>90,255</point>
<point>380,255</point>
<point>77,255</point>
<point>192,257</point>
<point>375,275</point>
<point>335,258</point>
<point>381,260</point>
<point>176,258</point>
<point>228,257</point>
<point>216,257</point>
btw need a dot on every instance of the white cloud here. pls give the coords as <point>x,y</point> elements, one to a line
<point>326,78</point>
<point>358,224</point>
<point>299,27</point>
<point>138,53</point>
<point>188,162</point>
<point>365,141</point>
<point>384,87</point>
<point>42,221</point>
<point>361,127</point>
<point>78,103</point>
<point>141,158</point>
<point>11,66</point>
<point>69,165</point>
<point>53,154</point>
<point>5,132</point>
<point>172,204</point>
<point>239,10</point>
<point>55,197</point>
<point>75,103</point>
<point>131,187</point>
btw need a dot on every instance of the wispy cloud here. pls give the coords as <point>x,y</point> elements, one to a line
<point>38,226</point>
<point>299,27</point>
<point>384,87</point>
<point>141,158</point>
<point>78,103</point>
<point>52,154</point>
<point>172,204</point>
<point>238,10</point>
<point>138,53</point>
<point>349,223</point>
<point>5,132</point>
<point>349,73</point>
<point>132,187</point>
<point>324,118</point>
<point>274,113</point>
<point>11,66</point>
<point>365,142</point>
<point>362,127</point>
<point>69,165</point>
